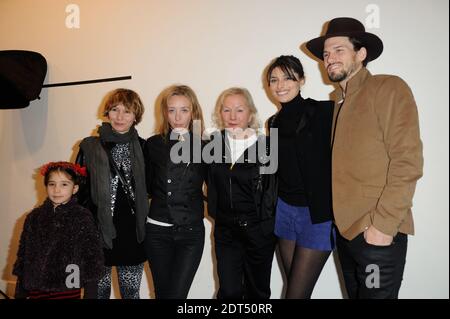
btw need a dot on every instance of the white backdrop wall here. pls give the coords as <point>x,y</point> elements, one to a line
<point>212,45</point>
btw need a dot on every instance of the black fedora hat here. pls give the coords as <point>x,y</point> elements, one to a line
<point>348,27</point>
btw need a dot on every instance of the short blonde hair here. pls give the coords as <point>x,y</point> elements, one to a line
<point>196,110</point>
<point>217,118</point>
<point>129,99</point>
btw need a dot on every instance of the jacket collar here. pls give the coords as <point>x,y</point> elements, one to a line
<point>60,208</point>
<point>353,85</point>
<point>226,150</point>
<point>295,102</point>
<point>178,137</point>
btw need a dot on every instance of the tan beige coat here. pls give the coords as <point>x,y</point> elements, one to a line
<point>377,155</point>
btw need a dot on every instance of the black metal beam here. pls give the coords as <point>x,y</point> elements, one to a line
<point>120,78</point>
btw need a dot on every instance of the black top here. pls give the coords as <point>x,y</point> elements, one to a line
<point>239,191</point>
<point>126,250</point>
<point>291,188</point>
<point>96,195</point>
<point>175,188</point>
<point>234,184</point>
<point>311,146</point>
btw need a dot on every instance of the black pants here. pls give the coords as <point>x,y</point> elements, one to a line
<point>372,272</point>
<point>244,260</point>
<point>174,254</point>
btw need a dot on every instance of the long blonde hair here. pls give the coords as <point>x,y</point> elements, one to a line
<point>179,90</point>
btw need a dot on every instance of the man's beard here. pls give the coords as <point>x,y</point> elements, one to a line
<point>343,74</point>
<point>338,77</point>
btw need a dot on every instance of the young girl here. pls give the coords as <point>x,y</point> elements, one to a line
<point>59,246</point>
<point>175,229</point>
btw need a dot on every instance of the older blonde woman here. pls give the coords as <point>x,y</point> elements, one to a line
<point>241,200</point>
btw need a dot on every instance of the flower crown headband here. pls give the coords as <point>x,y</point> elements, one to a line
<point>77,169</point>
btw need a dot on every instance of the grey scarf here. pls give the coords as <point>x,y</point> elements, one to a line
<point>99,174</point>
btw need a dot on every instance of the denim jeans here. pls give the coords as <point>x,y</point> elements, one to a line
<point>174,254</point>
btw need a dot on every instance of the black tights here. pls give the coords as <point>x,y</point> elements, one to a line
<point>302,267</point>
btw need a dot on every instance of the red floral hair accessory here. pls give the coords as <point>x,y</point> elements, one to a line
<point>79,170</point>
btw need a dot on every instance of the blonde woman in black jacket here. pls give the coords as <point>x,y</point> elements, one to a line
<point>241,199</point>
<point>175,176</point>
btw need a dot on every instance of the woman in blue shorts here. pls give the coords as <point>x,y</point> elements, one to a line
<point>303,221</point>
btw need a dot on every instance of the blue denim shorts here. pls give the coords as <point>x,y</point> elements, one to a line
<point>294,223</point>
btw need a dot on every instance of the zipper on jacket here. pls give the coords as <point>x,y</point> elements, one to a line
<point>231,193</point>
<point>229,179</point>
<point>231,188</point>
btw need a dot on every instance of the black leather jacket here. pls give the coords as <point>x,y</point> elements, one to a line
<point>240,189</point>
